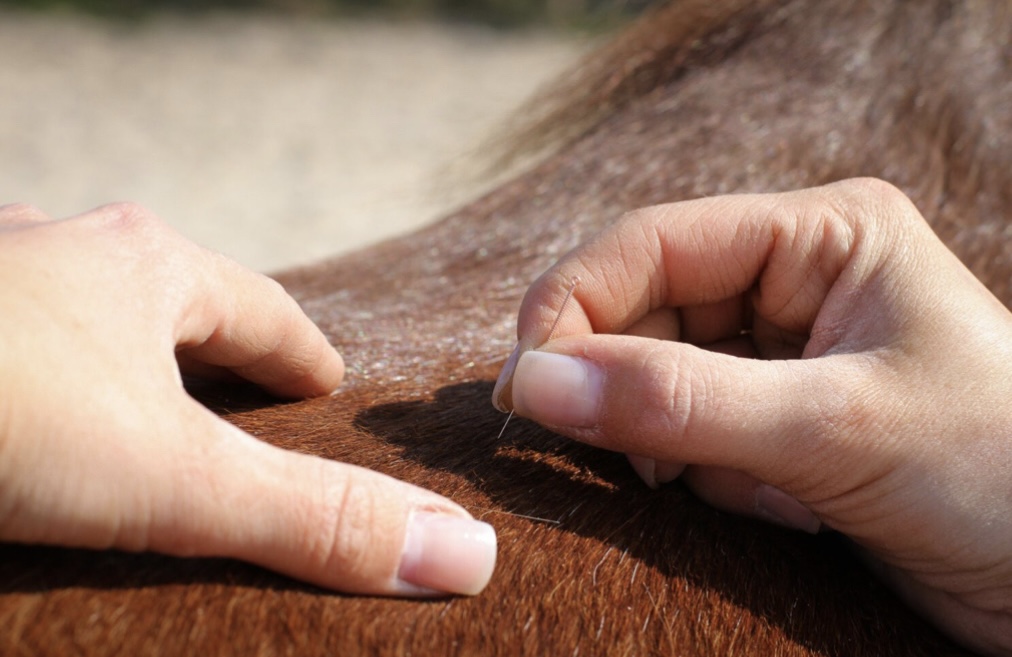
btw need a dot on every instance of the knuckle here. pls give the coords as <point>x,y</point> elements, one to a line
<point>873,197</point>
<point>136,237</point>
<point>346,534</point>
<point>127,219</point>
<point>21,215</point>
<point>863,211</point>
<point>673,397</point>
<point>22,211</point>
<point>870,187</point>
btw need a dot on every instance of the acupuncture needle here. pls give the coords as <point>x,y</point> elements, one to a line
<point>551,333</point>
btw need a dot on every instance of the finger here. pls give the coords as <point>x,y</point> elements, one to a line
<point>653,472</point>
<point>697,253</point>
<point>189,367</point>
<point>332,524</point>
<point>247,323</point>
<point>16,215</point>
<point>661,324</point>
<point>664,324</point>
<point>681,404</point>
<point>739,493</point>
<point>222,314</point>
<point>783,252</point>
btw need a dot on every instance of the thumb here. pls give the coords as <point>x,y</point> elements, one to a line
<point>332,524</point>
<point>675,402</point>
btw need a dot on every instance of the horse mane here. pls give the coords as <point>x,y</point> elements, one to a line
<point>930,98</point>
<point>665,42</point>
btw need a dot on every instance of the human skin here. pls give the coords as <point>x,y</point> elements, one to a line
<point>818,358</point>
<point>101,447</point>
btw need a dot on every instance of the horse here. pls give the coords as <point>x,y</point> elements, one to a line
<point>696,98</point>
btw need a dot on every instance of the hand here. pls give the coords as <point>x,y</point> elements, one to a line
<point>817,357</point>
<point>101,447</point>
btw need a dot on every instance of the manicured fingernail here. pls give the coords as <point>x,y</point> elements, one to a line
<point>557,390</point>
<point>665,472</point>
<point>653,472</point>
<point>646,468</point>
<point>447,554</point>
<point>500,397</point>
<point>778,507</point>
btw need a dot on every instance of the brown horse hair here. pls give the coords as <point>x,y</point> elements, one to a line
<point>665,42</point>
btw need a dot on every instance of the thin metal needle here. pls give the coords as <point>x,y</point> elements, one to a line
<point>572,286</point>
<point>503,430</point>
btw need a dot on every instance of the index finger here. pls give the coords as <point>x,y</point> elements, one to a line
<point>247,323</point>
<point>783,250</point>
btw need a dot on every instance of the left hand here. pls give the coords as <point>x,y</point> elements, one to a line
<point>101,447</point>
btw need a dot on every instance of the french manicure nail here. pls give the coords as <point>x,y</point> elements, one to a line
<point>501,398</point>
<point>557,390</point>
<point>447,554</point>
<point>780,508</point>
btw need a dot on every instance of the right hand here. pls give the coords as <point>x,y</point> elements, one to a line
<point>816,357</point>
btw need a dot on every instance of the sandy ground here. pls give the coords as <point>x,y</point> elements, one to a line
<point>275,140</point>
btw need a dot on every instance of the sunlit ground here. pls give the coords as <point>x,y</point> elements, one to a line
<point>275,140</point>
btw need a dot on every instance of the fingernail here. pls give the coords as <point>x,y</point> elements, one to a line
<point>501,398</point>
<point>447,554</point>
<point>645,468</point>
<point>557,390</point>
<point>653,472</point>
<point>778,507</point>
<point>666,472</point>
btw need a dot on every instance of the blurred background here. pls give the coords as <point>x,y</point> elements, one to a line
<point>278,131</point>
